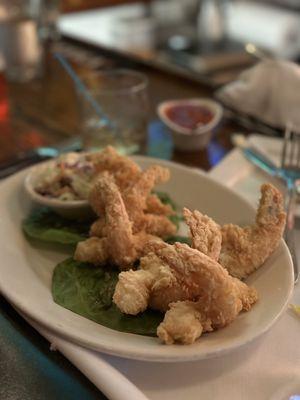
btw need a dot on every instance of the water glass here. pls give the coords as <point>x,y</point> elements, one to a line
<point>123,97</point>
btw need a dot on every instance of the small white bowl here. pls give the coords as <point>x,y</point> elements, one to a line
<point>75,209</point>
<point>184,138</point>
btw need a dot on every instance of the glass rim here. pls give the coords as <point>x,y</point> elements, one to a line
<point>136,87</point>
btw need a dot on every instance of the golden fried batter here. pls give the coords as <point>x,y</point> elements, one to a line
<point>138,202</point>
<point>135,198</point>
<point>178,273</point>
<point>158,225</point>
<point>155,206</point>
<point>182,323</point>
<point>117,243</point>
<point>93,250</point>
<point>206,234</point>
<point>123,169</point>
<point>119,238</point>
<point>98,228</point>
<point>246,249</point>
<point>135,289</point>
<point>189,284</point>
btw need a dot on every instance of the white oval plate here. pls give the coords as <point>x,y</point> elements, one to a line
<point>26,272</point>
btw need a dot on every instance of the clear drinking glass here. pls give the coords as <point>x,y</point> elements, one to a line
<point>123,97</point>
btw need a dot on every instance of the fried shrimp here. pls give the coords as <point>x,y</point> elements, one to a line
<point>134,288</point>
<point>187,279</point>
<point>93,250</point>
<point>182,323</point>
<point>119,235</point>
<point>199,275</point>
<point>159,225</point>
<point>198,287</point>
<point>98,228</point>
<point>118,242</point>
<point>206,234</point>
<point>135,196</point>
<point>246,249</point>
<point>123,169</point>
<point>139,202</point>
<point>114,240</point>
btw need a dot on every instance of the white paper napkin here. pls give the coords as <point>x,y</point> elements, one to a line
<point>108,379</point>
<point>268,146</point>
<point>269,91</point>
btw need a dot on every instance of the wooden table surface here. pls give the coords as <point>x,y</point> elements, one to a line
<point>45,111</point>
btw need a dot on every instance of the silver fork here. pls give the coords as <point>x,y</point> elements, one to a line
<point>290,167</point>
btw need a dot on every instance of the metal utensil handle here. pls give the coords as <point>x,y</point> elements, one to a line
<point>290,241</point>
<point>289,233</point>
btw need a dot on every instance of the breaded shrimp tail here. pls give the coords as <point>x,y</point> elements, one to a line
<point>202,296</point>
<point>206,234</point>
<point>246,249</point>
<point>138,200</point>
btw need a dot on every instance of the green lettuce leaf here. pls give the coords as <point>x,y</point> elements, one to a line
<point>176,219</point>
<point>43,224</point>
<point>87,290</point>
<point>166,199</point>
<point>177,238</point>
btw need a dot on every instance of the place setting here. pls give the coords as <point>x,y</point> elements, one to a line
<point>47,314</point>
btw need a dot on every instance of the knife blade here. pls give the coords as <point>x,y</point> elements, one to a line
<point>39,154</point>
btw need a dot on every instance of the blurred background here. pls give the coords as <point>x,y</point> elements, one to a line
<point>197,38</point>
<point>185,49</point>
<point>202,39</point>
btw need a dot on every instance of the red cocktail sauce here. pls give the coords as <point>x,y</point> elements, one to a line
<point>189,116</point>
